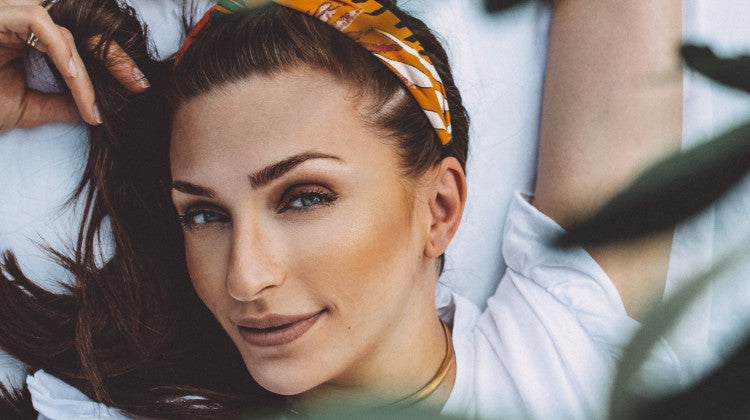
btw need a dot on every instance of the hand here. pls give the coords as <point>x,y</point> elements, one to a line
<point>21,107</point>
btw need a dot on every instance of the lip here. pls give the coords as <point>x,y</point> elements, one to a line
<point>276,330</point>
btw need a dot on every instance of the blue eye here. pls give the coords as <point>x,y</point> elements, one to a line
<point>201,218</point>
<point>306,200</point>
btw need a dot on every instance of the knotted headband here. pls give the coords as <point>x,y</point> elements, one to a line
<point>379,31</point>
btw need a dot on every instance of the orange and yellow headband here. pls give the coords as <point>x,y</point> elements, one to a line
<point>379,31</point>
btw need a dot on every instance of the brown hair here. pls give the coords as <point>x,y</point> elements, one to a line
<point>272,38</point>
<point>132,333</point>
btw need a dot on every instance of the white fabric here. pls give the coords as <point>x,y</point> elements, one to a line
<point>498,61</point>
<point>56,400</point>
<point>548,342</point>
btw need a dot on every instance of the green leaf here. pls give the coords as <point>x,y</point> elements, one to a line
<point>722,394</point>
<point>627,403</point>
<point>494,6</point>
<point>732,72</point>
<point>670,191</point>
<point>338,412</point>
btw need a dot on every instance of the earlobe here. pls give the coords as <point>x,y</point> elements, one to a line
<point>447,200</point>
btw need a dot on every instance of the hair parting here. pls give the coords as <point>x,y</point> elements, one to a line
<point>272,38</point>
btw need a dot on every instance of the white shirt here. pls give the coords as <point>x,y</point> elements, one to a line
<point>548,343</point>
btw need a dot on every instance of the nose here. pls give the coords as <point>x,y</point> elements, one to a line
<point>253,265</point>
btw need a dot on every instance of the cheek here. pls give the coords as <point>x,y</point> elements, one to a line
<point>206,261</point>
<point>362,252</point>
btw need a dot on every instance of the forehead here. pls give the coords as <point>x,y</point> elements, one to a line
<point>266,118</point>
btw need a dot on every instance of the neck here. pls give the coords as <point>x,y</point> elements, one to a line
<point>396,369</point>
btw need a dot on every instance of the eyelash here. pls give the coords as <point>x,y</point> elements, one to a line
<point>188,223</point>
<point>323,198</point>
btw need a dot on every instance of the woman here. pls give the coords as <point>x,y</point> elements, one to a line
<point>291,242</point>
<point>331,229</point>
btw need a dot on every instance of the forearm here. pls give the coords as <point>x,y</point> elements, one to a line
<point>612,105</point>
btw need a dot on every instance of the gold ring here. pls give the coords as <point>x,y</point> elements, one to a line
<point>32,40</point>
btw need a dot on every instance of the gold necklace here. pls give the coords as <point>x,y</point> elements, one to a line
<point>423,392</point>
<point>436,380</point>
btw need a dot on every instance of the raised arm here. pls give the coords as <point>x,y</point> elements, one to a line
<point>612,105</point>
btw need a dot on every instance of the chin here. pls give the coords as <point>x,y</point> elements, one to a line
<point>282,378</point>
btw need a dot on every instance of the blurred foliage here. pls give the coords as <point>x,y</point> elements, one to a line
<point>732,72</point>
<point>683,184</point>
<point>721,394</point>
<point>669,192</point>
<point>372,413</point>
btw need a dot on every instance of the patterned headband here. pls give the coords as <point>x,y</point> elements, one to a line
<point>379,31</point>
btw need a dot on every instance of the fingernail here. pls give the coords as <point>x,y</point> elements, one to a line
<point>97,114</point>
<point>141,78</point>
<point>73,67</point>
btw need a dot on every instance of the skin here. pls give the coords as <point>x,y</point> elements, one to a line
<point>21,107</point>
<point>367,258</point>
<point>612,106</point>
<point>342,232</point>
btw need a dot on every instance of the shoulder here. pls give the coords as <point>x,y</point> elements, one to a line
<point>557,292</point>
<point>551,333</point>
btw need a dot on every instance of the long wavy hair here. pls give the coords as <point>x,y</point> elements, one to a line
<point>132,333</point>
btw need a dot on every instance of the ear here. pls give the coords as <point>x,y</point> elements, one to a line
<point>446,201</point>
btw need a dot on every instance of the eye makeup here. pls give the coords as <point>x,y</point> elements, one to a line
<point>303,198</point>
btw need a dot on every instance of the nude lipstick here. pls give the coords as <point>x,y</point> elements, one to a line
<point>276,330</point>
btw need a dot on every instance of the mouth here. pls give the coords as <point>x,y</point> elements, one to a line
<point>276,330</point>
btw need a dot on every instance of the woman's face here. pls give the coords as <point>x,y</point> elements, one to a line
<point>302,235</point>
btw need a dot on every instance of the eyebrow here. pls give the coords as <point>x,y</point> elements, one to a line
<point>276,170</point>
<point>192,189</point>
<point>259,178</point>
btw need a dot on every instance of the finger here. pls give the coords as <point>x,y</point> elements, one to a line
<point>58,44</point>
<point>14,24</point>
<point>80,86</point>
<point>19,2</point>
<point>121,66</point>
<point>41,108</point>
<point>18,22</point>
<point>47,4</point>
<point>9,38</point>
